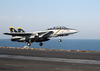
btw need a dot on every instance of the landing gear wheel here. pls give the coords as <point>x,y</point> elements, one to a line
<point>59,40</point>
<point>41,44</point>
<point>29,44</point>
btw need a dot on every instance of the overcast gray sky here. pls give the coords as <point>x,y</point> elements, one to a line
<point>38,15</point>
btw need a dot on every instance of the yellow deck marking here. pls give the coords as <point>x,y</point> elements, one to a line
<point>57,31</point>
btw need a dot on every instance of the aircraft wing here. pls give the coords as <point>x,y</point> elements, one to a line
<point>18,34</point>
<point>47,34</point>
<point>42,34</point>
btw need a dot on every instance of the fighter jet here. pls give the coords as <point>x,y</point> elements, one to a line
<point>39,36</point>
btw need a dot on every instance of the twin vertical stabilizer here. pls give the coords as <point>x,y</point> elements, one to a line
<point>20,29</point>
<point>13,30</point>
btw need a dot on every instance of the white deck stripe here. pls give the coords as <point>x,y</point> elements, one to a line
<point>51,59</point>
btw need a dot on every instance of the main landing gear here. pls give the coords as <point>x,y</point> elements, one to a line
<point>41,44</point>
<point>29,44</point>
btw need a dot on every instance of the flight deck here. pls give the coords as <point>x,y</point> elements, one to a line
<point>29,59</point>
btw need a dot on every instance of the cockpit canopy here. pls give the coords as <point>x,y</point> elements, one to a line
<point>58,27</point>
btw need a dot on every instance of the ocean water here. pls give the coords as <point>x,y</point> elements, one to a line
<point>68,44</point>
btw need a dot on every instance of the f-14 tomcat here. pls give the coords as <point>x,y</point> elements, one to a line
<point>39,36</point>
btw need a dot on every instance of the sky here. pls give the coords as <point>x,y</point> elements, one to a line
<point>38,15</point>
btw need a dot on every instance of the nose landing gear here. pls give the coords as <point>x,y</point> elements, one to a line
<point>60,39</point>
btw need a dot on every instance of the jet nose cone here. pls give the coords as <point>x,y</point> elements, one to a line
<point>74,31</point>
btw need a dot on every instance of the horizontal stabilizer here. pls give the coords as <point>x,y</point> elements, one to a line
<point>18,34</point>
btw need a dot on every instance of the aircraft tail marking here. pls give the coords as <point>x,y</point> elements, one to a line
<point>20,29</point>
<point>12,29</point>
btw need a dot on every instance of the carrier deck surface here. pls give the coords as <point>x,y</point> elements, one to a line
<point>45,60</point>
